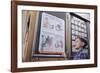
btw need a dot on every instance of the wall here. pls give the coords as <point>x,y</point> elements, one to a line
<point>85,15</point>
<point>5,38</point>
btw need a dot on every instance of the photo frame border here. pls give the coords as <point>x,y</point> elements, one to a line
<point>14,41</point>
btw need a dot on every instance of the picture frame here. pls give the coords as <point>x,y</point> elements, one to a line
<point>55,65</point>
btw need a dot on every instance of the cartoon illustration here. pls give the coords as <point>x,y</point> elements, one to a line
<point>45,22</point>
<point>47,42</point>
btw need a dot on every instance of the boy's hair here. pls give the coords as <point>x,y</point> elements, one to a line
<point>83,40</point>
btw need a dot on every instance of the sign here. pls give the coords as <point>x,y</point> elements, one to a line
<point>52,35</point>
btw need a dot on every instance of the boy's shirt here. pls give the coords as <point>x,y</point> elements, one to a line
<point>81,54</point>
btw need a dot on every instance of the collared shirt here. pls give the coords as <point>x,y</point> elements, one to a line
<point>81,54</point>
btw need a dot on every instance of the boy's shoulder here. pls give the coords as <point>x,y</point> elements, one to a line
<point>84,51</point>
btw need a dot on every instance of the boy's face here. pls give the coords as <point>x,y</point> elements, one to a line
<point>78,43</point>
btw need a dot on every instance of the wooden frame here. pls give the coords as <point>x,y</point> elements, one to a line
<point>14,38</point>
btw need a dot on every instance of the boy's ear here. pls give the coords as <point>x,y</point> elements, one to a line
<point>82,44</point>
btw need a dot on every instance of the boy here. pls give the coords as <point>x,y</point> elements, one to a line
<point>81,51</point>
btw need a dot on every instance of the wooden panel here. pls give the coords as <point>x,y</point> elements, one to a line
<point>47,59</point>
<point>50,59</point>
<point>34,59</point>
<point>28,45</point>
<point>24,20</point>
<point>68,31</point>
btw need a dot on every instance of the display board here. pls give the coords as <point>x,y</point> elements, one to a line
<point>52,34</point>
